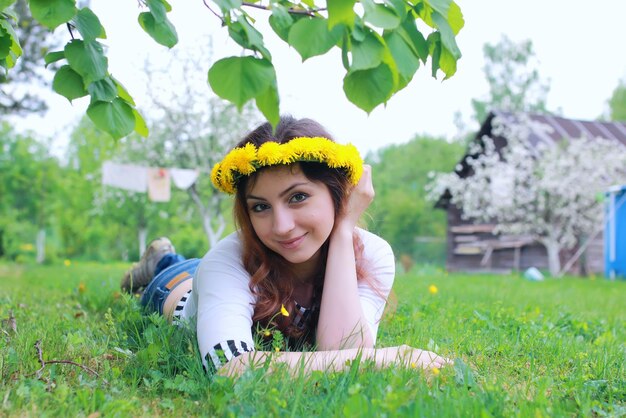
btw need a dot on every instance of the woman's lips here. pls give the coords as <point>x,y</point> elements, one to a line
<point>291,243</point>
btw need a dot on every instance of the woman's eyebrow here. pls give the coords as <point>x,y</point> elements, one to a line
<point>281,194</point>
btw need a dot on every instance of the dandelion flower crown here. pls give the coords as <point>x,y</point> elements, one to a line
<point>244,161</point>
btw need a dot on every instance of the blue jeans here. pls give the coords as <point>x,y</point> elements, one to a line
<point>170,271</point>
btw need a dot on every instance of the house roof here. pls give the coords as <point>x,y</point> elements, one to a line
<point>563,127</point>
<point>559,128</point>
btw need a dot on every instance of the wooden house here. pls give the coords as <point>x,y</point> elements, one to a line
<point>474,247</point>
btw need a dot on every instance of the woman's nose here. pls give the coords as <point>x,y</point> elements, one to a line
<point>283,222</point>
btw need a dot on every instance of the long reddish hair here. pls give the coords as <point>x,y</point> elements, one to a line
<point>272,277</point>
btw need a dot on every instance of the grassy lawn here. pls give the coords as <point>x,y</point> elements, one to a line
<point>552,348</point>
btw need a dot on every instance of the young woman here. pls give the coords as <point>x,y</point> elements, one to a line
<point>297,264</point>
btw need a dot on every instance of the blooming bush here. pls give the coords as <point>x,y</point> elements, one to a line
<point>535,186</point>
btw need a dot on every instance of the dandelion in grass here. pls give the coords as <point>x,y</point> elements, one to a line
<point>283,311</point>
<point>436,371</point>
<point>432,289</point>
<point>413,365</point>
<point>67,263</point>
<point>267,332</point>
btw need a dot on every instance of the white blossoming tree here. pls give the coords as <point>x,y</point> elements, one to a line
<point>546,190</point>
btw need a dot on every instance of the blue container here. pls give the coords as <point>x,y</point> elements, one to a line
<point>615,232</point>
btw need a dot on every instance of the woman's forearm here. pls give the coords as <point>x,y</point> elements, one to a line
<point>341,321</point>
<point>334,360</point>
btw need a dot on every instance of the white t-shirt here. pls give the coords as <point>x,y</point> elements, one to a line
<point>222,304</point>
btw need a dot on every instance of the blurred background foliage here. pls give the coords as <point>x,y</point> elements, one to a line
<point>54,208</point>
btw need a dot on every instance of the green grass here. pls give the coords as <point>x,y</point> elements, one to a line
<point>554,348</point>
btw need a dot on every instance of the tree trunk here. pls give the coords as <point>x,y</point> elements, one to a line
<point>41,245</point>
<point>142,234</point>
<point>213,235</point>
<point>554,260</point>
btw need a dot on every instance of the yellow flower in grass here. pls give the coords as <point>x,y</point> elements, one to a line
<point>82,288</point>
<point>435,371</point>
<point>283,311</point>
<point>433,289</point>
<point>67,263</point>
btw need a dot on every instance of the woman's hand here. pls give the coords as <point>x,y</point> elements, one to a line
<point>414,357</point>
<point>359,198</point>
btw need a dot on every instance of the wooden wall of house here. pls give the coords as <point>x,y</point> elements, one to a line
<point>504,259</point>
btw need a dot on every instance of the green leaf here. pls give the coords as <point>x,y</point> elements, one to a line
<point>89,25</point>
<point>369,88</point>
<point>380,15</point>
<point>359,31</point>
<point>281,21</point>
<point>414,38</point>
<point>367,54</point>
<point>163,32</point>
<point>447,35</point>
<point>52,13</point>
<point>239,79</point>
<point>122,92</point>
<point>6,3</point>
<point>5,43</point>
<point>140,124</point>
<point>268,104</point>
<point>399,7</point>
<point>103,90</point>
<point>68,83</point>
<point>53,56</point>
<point>158,10</point>
<point>311,37</point>
<point>227,5</point>
<point>406,60</point>
<point>346,45</point>
<point>247,36</point>
<point>447,63</point>
<point>15,48</point>
<point>87,59</point>
<point>116,117</point>
<point>341,12</point>
<point>455,18</point>
<point>440,6</point>
<point>434,48</point>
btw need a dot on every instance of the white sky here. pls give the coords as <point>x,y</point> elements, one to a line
<point>579,46</point>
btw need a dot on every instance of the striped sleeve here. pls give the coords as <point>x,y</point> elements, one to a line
<point>224,305</point>
<point>224,352</point>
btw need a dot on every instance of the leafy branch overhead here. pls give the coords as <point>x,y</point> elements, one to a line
<point>382,46</point>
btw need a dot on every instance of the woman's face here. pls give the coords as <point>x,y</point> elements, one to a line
<point>292,215</point>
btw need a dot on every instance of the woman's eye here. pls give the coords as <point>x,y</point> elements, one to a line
<point>298,197</point>
<point>259,207</point>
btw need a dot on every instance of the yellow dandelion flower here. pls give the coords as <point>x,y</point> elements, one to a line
<point>245,160</point>
<point>436,371</point>
<point>67,263</point>
<point>215,175</point>
<point>277,349</point>
<point>267,333</point>
<point>433,289</point>
<point>270,153</point>
<point>413,365</point>
<point>242,160</point>
<point>283,311</point>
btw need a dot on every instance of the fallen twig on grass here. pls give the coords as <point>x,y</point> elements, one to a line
<point>9,324</point>
<point>45,363</point>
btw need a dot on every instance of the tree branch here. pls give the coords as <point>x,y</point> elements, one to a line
<point>45,363</point>
<point>214,12</point>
